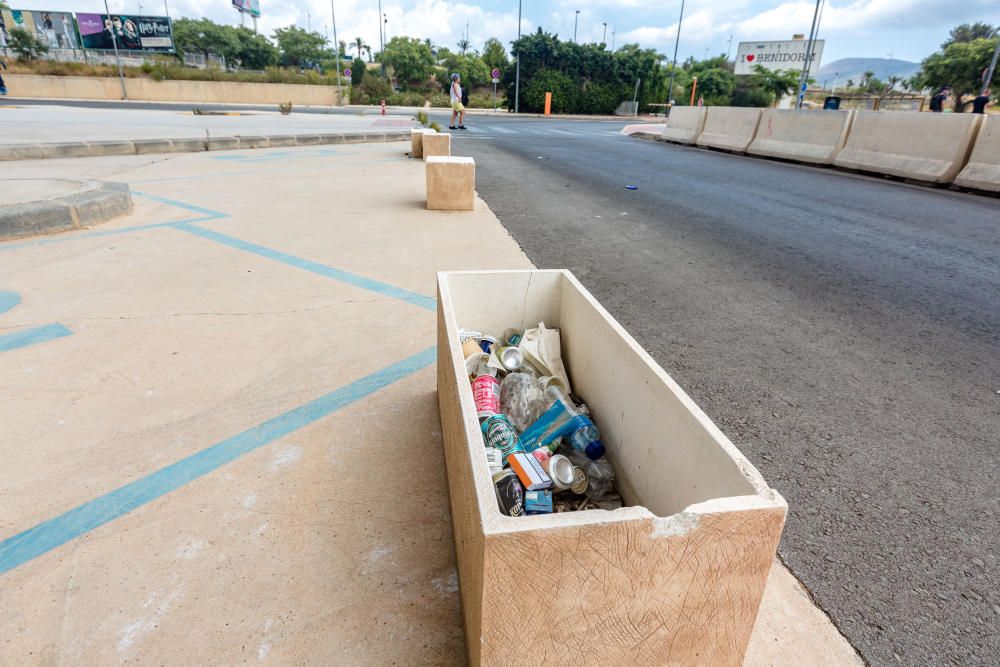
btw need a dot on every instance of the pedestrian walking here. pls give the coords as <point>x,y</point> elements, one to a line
<point>457,108</point>
<point>981,102</point>
<point>3,85</point>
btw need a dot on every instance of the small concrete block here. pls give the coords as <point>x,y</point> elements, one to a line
<point>281,140</point>
<point>223,143</point>
<point>451,183</point>
<point>101,148</point>
<point>188,145</point>
<point>417,141</point>
<point>437,144</point>
<point>36,217</point>
<point>152,146</point>
<point>96,206</point>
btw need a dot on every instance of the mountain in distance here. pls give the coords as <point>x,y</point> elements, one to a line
<point>854,68</point>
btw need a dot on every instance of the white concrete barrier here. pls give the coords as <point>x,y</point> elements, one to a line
<point>729,128</point>
<point>674,578</point>
<point>684,124</point>
<point>983,170</point>
<point>451,183</point>
<point>805,136</point>
<point>930,147</point>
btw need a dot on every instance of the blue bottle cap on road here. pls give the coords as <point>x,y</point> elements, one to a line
<point>631,187</point>
<point>595,449</point>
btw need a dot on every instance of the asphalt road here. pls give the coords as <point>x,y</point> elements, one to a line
<point>843,330</point>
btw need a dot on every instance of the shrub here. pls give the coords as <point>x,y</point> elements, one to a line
<point>371,91</point>
<point>25,45</point>
<point>564,92</point>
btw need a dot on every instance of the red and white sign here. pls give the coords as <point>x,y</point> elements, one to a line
<point>789,54</point>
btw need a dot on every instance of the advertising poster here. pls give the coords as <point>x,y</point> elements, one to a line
<point>133,33</point>
<point>55,30</point>
<point>251,7</point>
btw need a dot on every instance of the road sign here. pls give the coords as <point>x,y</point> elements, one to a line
<point>784,55</point>
<point>496,80</point>
<point>347,72</point>
<point>495,74</point>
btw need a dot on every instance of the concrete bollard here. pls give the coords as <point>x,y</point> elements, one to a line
<point>983,169</point>
<point>436,144</point>
<point>417,141</point>
<point>451,183</point>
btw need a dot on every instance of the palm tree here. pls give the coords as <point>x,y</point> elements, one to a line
<point>892,81</point>
<point>368,49</point>
<point>869,75</point>
<point>358,44</point>
<point>464,45</point>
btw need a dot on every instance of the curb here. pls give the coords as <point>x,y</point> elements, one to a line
<point>148,146</point>
<point>106,200</point>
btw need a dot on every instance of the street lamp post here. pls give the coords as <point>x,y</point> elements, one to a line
<point>604,39</point>
<point>336,48</point>
<point>517,75</point>
<point>576,21</point>
<point>677,41</point>
<point>810,45</point>
<point>114,45</point>
<point>989,72</point>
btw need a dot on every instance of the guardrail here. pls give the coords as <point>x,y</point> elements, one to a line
<point>929,147</point>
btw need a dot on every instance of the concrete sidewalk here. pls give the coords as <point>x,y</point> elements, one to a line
<point>223,443</point>
<point>37,124</point>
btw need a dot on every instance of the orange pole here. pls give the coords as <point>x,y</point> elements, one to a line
<point>694,87</point>
<point>548,104</point>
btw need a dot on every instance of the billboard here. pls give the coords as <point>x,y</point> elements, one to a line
<point>55,30</point>
<point>790,54</point>
<point>251,7</point>
<point>133,33</point>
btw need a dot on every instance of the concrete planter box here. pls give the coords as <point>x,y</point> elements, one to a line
<point>676,577</point>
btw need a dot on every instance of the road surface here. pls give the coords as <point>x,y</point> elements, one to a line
<point>843,330</point>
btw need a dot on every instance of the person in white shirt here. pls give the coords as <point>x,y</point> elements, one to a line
<point>457,108</point>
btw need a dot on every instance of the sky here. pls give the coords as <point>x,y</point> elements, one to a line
<point>906,29</point>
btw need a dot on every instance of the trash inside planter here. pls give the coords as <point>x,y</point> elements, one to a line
<point>676,575</point>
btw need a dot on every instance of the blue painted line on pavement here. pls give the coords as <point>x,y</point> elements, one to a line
<point>42,334</point>
<point>48,535</point>
<point>384,289</point>
<point>82,236</point>
<point>8,300</point>
<point>184,205</point>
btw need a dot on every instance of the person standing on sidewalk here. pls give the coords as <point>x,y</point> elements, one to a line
<point>457,108</point>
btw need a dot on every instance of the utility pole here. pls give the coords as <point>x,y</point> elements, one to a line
<point>166,10</point>
<point>612,38</point>
<point>309,23</point>
<point>729,47</point>
<point>517,75</point>
<point>576,21</point>
<point>989,72</point>
<point>677,41</point>
<point>810,45</point>
<point>604,39</point>
<point>114,44</point>
<point>381,37</point>
<point>336,48</point>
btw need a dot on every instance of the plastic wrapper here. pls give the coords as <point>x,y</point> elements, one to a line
<point>521,400</point>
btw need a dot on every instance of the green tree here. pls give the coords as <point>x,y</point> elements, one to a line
<point>463,45</point>
<point>358,71</point>
<point>254,51</point>
<point>300,46</point>
<point>205,37</point>
<point>410,59</point>
<point>494,55</point>
<point>471,68</point>
<point>968,32</point>
<point>25,45</point>
<point>776,83</point>
<point>358,44</point>
<point>716,81</point>
<point>959,65</point>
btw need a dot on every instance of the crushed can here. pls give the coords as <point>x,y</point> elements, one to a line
<point>510,494</point>
<point>498,432</point>
<point>486,393</point>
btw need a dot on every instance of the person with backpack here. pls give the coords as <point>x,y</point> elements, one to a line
<point>939,100</point>
<point>457,104</point>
